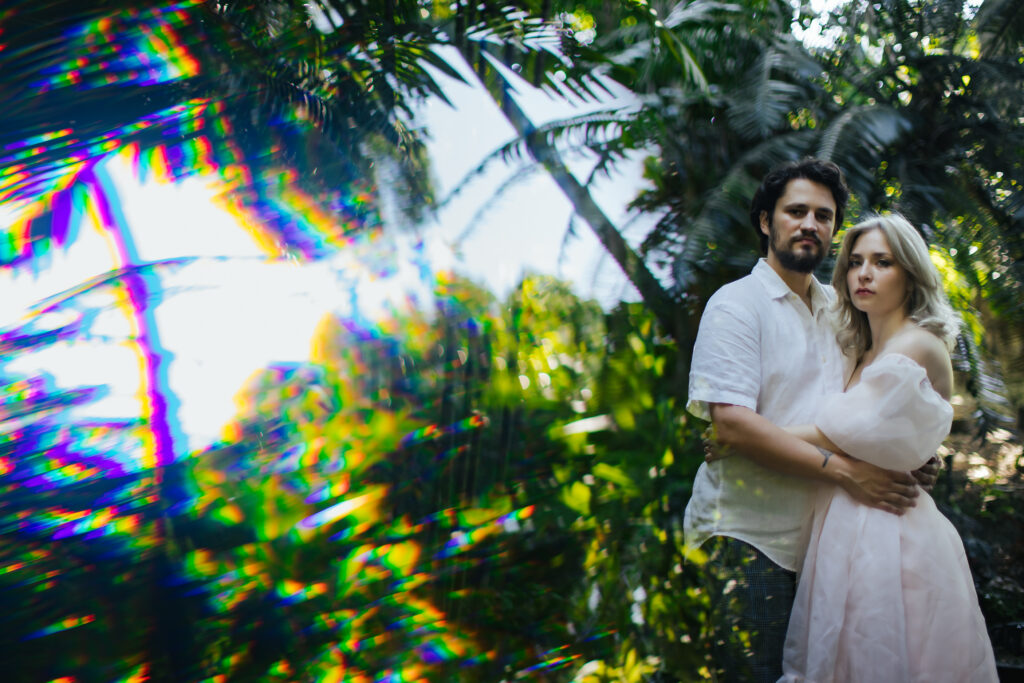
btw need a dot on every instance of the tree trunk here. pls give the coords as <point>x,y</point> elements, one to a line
<point>653,294</point>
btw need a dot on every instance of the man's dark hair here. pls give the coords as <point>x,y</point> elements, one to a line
<point>774,184</point>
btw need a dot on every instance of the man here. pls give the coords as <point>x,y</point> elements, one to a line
<point>765,355</point>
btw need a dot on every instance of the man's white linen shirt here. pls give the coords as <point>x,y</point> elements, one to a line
<point>760,347</point>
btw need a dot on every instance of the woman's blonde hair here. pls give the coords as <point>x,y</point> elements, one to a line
<point>926,303</point>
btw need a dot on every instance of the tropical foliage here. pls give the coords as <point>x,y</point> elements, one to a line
<point>421,501</point>
<point>487,490</point>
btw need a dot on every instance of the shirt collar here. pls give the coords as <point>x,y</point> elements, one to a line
<point>777,288</point>
<point>820,296</point>
<point>774,285</point>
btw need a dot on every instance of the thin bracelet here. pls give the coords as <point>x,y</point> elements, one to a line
<point>827,454</point>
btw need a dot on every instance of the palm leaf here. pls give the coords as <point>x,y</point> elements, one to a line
<point>858,139</point>
<point>721,220</point>
<point>1000,27</point>
<point>761,103</point>
<point>588,131</point>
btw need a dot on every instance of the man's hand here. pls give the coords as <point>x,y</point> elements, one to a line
<point>880,488</point>
<point>927,474</point>
<point>713,448</point>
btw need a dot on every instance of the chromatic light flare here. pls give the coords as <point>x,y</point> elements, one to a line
<point>302,481</point>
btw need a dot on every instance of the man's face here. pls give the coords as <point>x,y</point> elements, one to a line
<point>801,226</point>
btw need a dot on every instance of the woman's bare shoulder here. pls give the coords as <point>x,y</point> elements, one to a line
<point>928,351</point>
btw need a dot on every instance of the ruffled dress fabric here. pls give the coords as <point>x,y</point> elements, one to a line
<point>881,597</point>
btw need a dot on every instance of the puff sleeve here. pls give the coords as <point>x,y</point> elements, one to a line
<point>892,418</point>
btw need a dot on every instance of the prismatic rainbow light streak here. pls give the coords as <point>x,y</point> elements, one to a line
<point>380,573</point>
<point>468,535</point>
<point>141,290</point>
<point>143,48</point>
<point>79,187</point>
<point>63,625</point>
<point>43,456</point>
<point>83,189</point>
<point>36,189</point>
<point>134,47</point>
<point>308,229</point>
<point>94,194</point>
<point>146,47</point>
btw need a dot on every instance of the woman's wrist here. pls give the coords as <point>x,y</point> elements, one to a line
<point>835,466</point>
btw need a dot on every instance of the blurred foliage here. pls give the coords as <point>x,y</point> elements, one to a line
<point>81,556</point>
<point>492,490</point>
<point>982,493</point>
<point>425,498</point>
<point>488,491</point>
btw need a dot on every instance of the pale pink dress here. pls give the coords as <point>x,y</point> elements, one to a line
<point>883,598</point>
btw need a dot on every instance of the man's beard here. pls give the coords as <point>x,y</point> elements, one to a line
<point>798,261</point>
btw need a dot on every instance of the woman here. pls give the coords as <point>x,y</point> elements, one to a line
<point>883,597</point>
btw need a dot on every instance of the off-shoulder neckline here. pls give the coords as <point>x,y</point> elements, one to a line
<point>896,355</point>
<point>900,359</point>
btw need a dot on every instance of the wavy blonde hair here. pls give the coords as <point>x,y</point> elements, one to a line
<point>926,303</point>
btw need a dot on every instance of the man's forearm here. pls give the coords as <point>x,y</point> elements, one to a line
<point>760,440</point>
<point>756,438</point>
<point>812,435</point>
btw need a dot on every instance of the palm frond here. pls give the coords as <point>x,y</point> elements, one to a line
<point>761,103</point>
<point>717,232</point>
<point>1000,27</point>
<point>858,139</point>
<point>588,131</point>
<point>532,46</point>
<point>985,384</point>
<point>518,176</point>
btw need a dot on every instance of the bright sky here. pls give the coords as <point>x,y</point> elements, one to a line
<point>221,319</point>
<point>225,318</point>
<point>525,228</point>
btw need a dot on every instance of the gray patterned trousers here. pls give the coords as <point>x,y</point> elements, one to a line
<point>751,598</point>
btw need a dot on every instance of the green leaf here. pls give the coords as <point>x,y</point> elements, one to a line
<point>615,475</point>
<point>577,497</point>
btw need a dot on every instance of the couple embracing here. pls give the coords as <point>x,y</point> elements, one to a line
<point>827,560</point>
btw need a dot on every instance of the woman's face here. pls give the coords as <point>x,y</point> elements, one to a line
<point>877,283</point>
